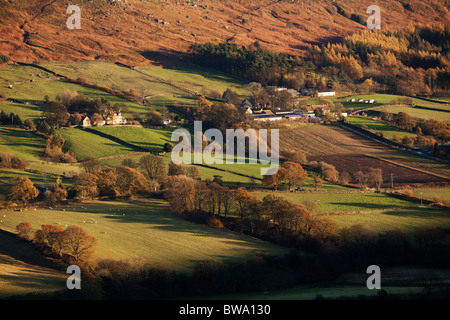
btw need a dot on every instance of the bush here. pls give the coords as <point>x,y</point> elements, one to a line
<point>25,231</point>
<point>409,193</point>
<point>329,172</point>
<point>11,161</point>
<point>4,59</point>
<point>215,222</point>
<point>29,125</point>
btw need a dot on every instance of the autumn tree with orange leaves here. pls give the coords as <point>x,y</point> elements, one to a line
<point>73,244</point>
<point>275,180</point>
<point>78,245</point>
<point>295,174</point>
<point>24,191</point>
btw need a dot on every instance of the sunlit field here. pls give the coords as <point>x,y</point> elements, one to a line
<point>145,229</point>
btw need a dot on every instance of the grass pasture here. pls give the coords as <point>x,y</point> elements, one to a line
<point>380,212</point>
<point>11,74</point>
<point>381,99</point>
<point>24,144</point>
<point>38,179</point>
<point>150,139</point>
<point>146,229</point>
<point>24,270</point>
<point>229,179</point>
<point>85,144</point>
<point>120,78</point>
<point>198,78</point>
<point>389,131</point>
<point>62,169</point>
<point>34,92</point>
<point>420,113</point>
<point>407,219</point>
<point>25,111</point>
<point>344,202</point>
<point>427,193</point>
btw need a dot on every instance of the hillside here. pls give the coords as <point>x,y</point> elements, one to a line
<point>148,31</point>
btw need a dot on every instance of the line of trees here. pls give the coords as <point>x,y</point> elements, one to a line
<point>291,172</point>
<point>72,244</point>
<point>130,179</point>
<point>272,217</point>
<point>253,64</point>
<point>11,119</point>
<point>431,127</point>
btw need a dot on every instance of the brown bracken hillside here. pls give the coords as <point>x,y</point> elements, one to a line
<point>151,31</point>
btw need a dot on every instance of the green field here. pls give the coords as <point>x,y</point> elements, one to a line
<point>38,179</point>
<point>443,193</point>
<point>198,78</point>
<point>406,219</point>
<point>374,126</point>
<point>85,144</point>
<point>248,169</point>
<point>11,74</point>
<point>150,139</point>
<point>443,107</point>
<point>420,113</point>
<point>25,111</point>
<point>388,100</point>
<point>380,99</point>
<point>416,161</point>
<point>380,212</point>
<point>62,169</point>
<point>34,92</point>
<point>146,229</point>
<point>24,144</point>
<point>344,202</point>
<point>122,79</point>
<point>229,179</point>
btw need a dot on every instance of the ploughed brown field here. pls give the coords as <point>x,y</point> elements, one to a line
<point>352,163</point>
<point>350,153</point>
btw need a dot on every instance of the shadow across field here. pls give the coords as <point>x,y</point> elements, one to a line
<point>23,251</point>
<point>364,205</point>
<point>166,57</point>
<point>420,212</point>
<point>159,217</point>
<point>209,74</point>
